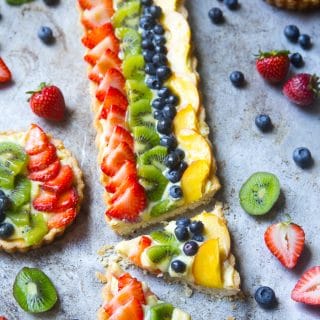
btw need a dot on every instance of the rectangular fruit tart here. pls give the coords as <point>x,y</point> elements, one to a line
<point>155,157</point>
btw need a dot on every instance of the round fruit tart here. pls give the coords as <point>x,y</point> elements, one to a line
<point>41,189</point>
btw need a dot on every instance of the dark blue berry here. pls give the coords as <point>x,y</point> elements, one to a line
<point>182,167</point>
<point>164,126</point>
<point>159,59</point>
<point>2,216</point>
<point>147,44</point>
<point>181,233</point>
<point>175,192</point>
<point>158,103</point>
<point>147,55</point>
<point>163,72</point>
<point>237,78</point>
<point>46,35</point>
<point>153,83</point>
<point>198,237</point>
<point>172,160</point>
<point>303,158</point>
<point>146,22</point>
<point>183,222</point>
<point>174,176</point>
<point>155,12</point>
<point>6,230</point>
<point>150,69</point>
<point>147,34</point>
<point>196,227</point>
<point>190,248</point>
<point>168,141</point>
<point>161,49</point>
<point>158,29</point>
<point>4,202</point>
<point>178,266</point>
<point>216,15</point>
<point>305,41</point>
<point>180,153</point>
<point>232,4</point>
<point>159,40</point>
<point>51,2</point>
<point>265,297</point>
<point>157,114</point>
<point>146,3</point>
<point>296,60</point>
<point>172,99</point>
<point>263,122</point>
<point>164,92</point>
<point>292,33</point>
<point>169,111</point>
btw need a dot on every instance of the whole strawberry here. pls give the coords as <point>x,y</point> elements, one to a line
<point>273,66</point>
<point>302,89</point>
<point>47,102</point>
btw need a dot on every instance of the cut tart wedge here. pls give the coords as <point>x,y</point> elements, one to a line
<point>193,251</point>
<point>125,297</point>
<point>153,149</point>
<point>41,189</point>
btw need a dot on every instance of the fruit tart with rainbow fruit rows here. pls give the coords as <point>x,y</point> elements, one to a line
<point>41,189</point>
<point>154,153</point>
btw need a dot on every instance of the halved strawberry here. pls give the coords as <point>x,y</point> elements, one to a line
<point>67,200</point>
<point>43,159</point>
<point>115,97</point>
<point>36,140</point>
<point>115,117</point>
<point>127,170</point>
<point>132,310</point>
<point>124,280</point>
<point>88,4</point>
<point>112,79</point>
<point>307,290</point>
<point>118,135</point>
<point>45,201</point>
<point>46,174</point>
<point>114,112</point>
<point>96,35</point>
<point>114,160</point>
<point>61,182</point>
<point>285,240</point>
<point>135,254</point>
<point>62,219</point>
<point>5,73</point>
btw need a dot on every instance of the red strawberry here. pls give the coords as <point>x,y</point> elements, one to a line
<point>62,219</point>
<point>36,140</point>
<point>46,174</point>
<point>112,79</point>
<point>48,102</point>
<point>43,159</point>
<point>116,98</point>
<point>135,256</point>
<point>45,201</point>
<point>302,89</point>
<point>5,73</point>
<point>88,4</point>
<point>3,318</point>
<point>114,117</point>
<point>285,240</point>
<point>66,200</point>
<point>61,182</point>
<point>98,15</point>
<point>118,135</point>
<point>132,310</point>
<point>96,35</point>
<point>124,280</point>
<point>114,110</point>
<point>273,66</point>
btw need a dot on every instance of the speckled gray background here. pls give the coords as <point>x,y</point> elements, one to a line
<point>241,150</point>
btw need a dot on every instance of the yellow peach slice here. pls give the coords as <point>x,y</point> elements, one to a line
<point>186,118</point>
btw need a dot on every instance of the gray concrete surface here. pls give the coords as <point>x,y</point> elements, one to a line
<point>71,261</point>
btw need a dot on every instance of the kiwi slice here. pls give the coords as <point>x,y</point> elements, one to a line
<point>120,3</point>
<point>137,90</point>
<point>133,67</point>
<point>21,193</point>
<point>144,139</point>
<point>20,218</point>
<point>259,193</point>
<point>34,291</point>
<point>140,114</point>
<point>154,156</point>
<point>161,311</point>
<point>159,253</point>
<point>153,181</point>
<point>12,157</point>
<point>130,41</point>
<point>38,228</point>
<point>163,237</point>
<point>6,178</point>
<point>161,208</point>
<point>127,15</point>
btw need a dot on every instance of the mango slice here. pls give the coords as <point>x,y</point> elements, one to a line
<point>186,118</point>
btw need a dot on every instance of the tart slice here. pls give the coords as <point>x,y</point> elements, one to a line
<point>41,189</point>
<point>196,252</point>
<point>125,297</point>
<point>155,157</point>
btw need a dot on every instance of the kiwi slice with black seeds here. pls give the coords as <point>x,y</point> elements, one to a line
<point>21,217</point>
<point>144,139</point>
<point>6,178</point>
<point>21,193</point>
<point>162,311</point>
<point>137,90</point>
<point>127,15</point>
<point>140,114</point>
<point>34,291</point>
<point>163,237</point>
<point>133,67</point>
<point>130,41</point>
<point>159,253</point>
<point>161,208</point>
<point>35,232</point>
<point>259,193</point>
<point>154,156</point>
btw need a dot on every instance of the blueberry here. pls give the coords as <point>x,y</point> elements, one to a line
<point>158,29</point>
<point>305,41</point>
<point>174,176</point>
<point>198,237</point>
<point>153,83</point>
<point>263,122</point>
<point>292,33</point>
<point>147,44</point>
<point>172,99</point>
<point>163,72</point>
<point>159,39</point>
<point>6,230</point>
<point>159,59</point>
<point>161,49</point>
<point>157,114</point>
<point>178,266</point>
<point>150,69</point>
<point>265,297</point>
<point>2,216</point>
<point>147,55</point>
<point>172,160</point>
<point>146,22</point>
<point>168,141</point>
<point>182,167</point>
<point>45,34</point>
<point>155,11</point>
<point>4,202</point>
<point>296,60</point>
<point>175,192</point>
<point>190,248</point>
<point>169,111</point>
<point>51,2</point>
<point>303,158</point>
<point>231,4</point>
<point>181,233</point>
<point>183,222</point>
<point>180,153</point>
<point>146,3</point>
<point>157,103</point>
<point>216,15</point>
<point>164,92</point>
<point>164,126</point>
<point>147,34</point>
<point>237,78</point>
<point>196,227</point>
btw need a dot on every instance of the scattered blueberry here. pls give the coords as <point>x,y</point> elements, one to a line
<point>164,92</point>
<point>158,103</point>
<point>305,41</point>
<point>163,72</point>
<point>172,99</point>
<point>178,266</point>
<point>196,227</point>
<point>51,2</point>
<point>181,233</point>
<point>159,39</point>
<point>303,158</point>
<point>169,111</point>
<point>180,153</point>
<point>146,3</point>
<point>175,192</point>
<point>172,160</point>
<point>46,35</point>
<point>237,78</point>
<point>190,248</point>
<point>146,22</point>
<point>265,297</point>
<point>164,126</point>
<point>296,60</point>
<point>6,230</point>
<point>216,15</point>
<point>159,59</point>
<point>153,82</point>
<point>150,69</point>
<point>263,122</point>
<point>147,55</point>
<point>232,4</point>
<point>158,29</point>
<point>183,222</point>
<point>174,176</point>
<point>292,33</point>
<point>157,114</point>
<point>168,141</point>
<point>198,237</point>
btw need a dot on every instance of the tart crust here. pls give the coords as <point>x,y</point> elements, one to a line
<point>19,245</point>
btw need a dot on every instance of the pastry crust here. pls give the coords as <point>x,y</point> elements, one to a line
<point>19,245</point>
<point>296,4</point>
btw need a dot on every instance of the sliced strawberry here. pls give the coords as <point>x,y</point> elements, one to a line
<point>135,254</point>
<point>114,160</point>
<point>5,73</point>
<point>115,97</point>
<point>112,79</point>
<point>96,35</point>
<point>46,174</point>
<point>124,280</point>
<point>97,15</point>
<point>61,182</point>
<point>127,170</point>
<point>36,140</point>
<point>115,117</point>
<point>43,159</point>
<point>113,110</point>
<point>67,200</point>
<point>118,135</point>
<point>62,219</point>
<point>285,240</point>
<point>132,310</point>
<point>88,4</point>
<point>45,201</point>
<point>307,290</point>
